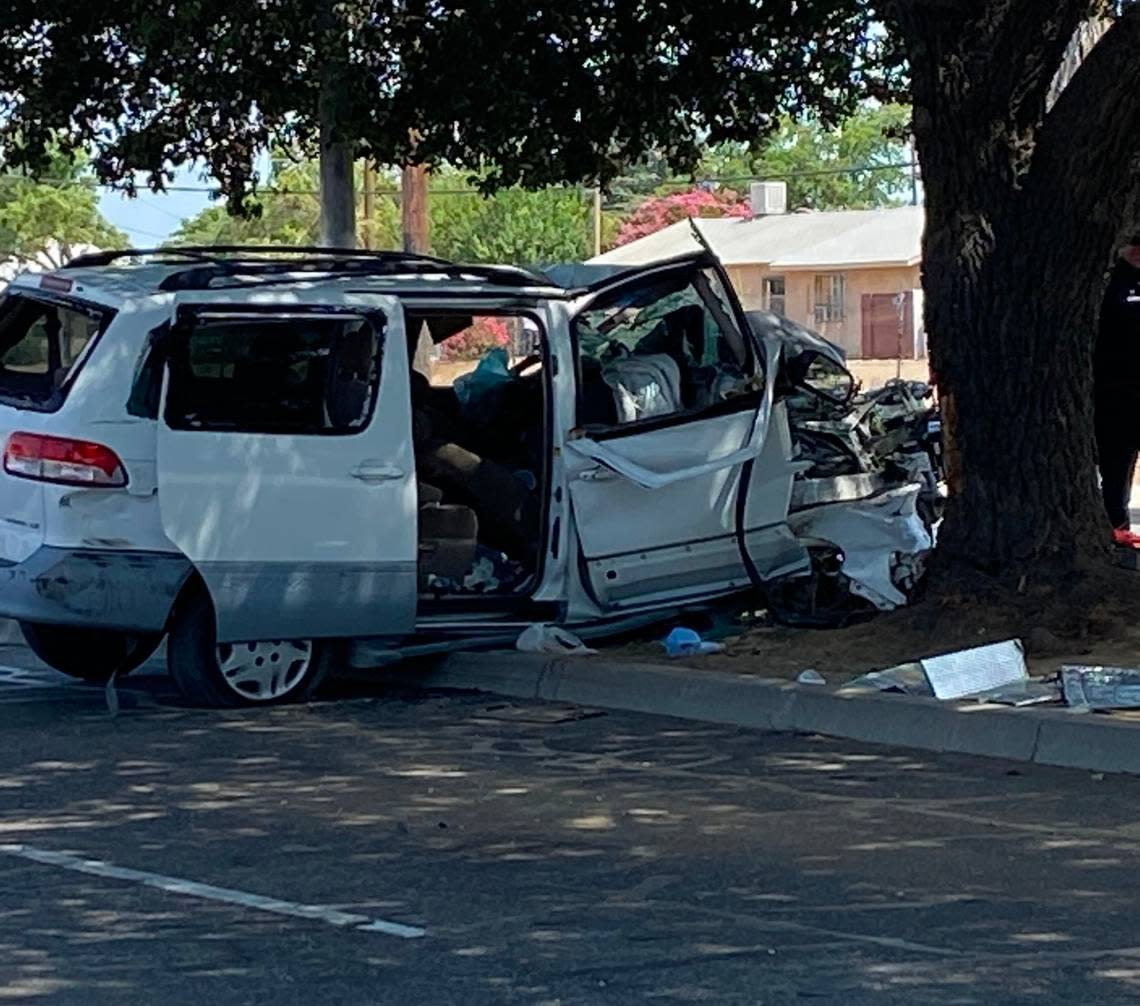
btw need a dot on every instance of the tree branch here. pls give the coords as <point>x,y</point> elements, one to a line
<point>1015,47</point>
<point>982,72</point>
<point>1091,138</point>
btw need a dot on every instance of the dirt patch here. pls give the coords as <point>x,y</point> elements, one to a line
<point>1096,624</point>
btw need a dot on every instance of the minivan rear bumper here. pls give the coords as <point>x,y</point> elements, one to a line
<point>93,588</point>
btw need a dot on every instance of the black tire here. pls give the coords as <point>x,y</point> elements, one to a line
<point>192,658</point>
<point>91,655</point>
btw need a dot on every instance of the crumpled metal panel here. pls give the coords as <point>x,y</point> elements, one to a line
<point>883,541</point>
<point>1088,687</point>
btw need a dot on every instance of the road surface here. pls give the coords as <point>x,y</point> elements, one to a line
<point>396,848</point>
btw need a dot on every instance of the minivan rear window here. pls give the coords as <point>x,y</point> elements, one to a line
<point>42,341</point>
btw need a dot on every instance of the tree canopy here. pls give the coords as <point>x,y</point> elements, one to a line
<point>552,224</point>
<point>287,213</point>
<point>536,95</point>
<point>856,164</point>
<point>45,222</point>
<point>853,165</point>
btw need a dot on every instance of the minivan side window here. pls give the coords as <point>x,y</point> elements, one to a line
<point>295,374</point>
<point>665,345</point>
<point>41,342</point>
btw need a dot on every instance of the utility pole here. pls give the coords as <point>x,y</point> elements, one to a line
<point>414,208</point>
<point>369,229</point>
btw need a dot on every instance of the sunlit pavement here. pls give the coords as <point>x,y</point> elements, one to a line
<point>549,854</point>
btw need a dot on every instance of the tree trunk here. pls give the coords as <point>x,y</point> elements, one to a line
<point>1023,213</point>
<point>1011,342</point>
<point>337,194</point>
<point>338,200</point>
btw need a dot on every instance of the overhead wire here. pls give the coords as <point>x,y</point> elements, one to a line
<point>395,191</point>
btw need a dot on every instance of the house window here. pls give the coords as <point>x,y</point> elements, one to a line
<point>774,294</point>
<point>829,290</point>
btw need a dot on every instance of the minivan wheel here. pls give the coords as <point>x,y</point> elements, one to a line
<point>91,655</point>
<point>239,674</point>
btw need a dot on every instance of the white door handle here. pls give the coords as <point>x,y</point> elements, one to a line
<point>368,471</point>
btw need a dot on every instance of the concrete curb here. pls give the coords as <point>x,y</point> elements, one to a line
<point>1043,736</point>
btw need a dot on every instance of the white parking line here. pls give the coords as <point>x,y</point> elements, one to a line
<point>174,885</point>
<point>31,677</point>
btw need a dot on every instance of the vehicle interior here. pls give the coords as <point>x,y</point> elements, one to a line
<point>479,429</point>
<point>40,341</point>
<point>658,348</point>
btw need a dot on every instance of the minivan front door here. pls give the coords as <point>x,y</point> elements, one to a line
<point>679,477</point>
<point>285,461</point>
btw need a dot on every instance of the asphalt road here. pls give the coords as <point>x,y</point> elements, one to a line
<point>550,855</point>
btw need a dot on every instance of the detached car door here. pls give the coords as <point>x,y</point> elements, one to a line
<point>286,471</point>
<point>679,479</point>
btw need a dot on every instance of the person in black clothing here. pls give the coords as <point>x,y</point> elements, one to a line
<point>1116,377</point>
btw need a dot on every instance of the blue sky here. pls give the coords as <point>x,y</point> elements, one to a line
<point>149,218</point>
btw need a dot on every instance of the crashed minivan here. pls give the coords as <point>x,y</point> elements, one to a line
<point>282,460</point>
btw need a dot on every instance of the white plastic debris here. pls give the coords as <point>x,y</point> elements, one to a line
<point>482,576</point>
<point>682,642</point>
<point>811,677</point>
<point>979,669</point>
<point>544,638</point>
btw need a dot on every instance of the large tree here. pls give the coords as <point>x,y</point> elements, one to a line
<point>1026,206</point>
<point>552,224</point>
<point>1025,203</point>
<point>857,164</point>
<point>288,212</point>
<point>46,222</point>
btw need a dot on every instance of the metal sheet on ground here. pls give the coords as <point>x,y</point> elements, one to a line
<point>980,669</point>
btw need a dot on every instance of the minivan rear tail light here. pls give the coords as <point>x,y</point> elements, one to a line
<point>63,460</point>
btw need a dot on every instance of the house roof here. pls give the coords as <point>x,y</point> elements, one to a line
<point>837,239</point>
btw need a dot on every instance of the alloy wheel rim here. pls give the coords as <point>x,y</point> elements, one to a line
<point>267,670</point>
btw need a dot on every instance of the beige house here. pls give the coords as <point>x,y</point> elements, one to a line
<point>851,275</point>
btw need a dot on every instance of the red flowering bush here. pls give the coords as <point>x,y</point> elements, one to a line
<point>473,342</point>
<point>661,211</point>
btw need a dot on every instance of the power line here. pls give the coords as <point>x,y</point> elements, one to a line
<point>155,205</point>
<point>814,173</point>
<point>393,191</point>
<point>144,233</point>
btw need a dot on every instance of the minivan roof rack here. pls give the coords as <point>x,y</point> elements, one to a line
<point>216,253</point>
<point>208,263</point>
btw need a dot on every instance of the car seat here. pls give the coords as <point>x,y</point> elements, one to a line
<point>644,386</point>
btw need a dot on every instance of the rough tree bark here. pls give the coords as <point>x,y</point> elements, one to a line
<point>1024,212</point>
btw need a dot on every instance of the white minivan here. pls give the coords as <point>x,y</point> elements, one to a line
<point>280,460</point>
